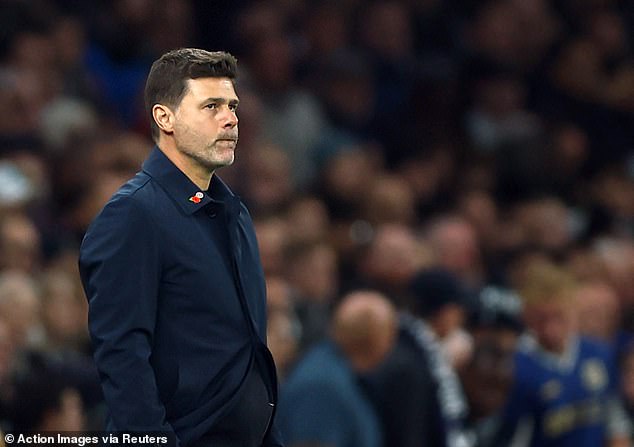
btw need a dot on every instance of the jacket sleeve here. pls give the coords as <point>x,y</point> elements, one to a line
<point>120,271</point>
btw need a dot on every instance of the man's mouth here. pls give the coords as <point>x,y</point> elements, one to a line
<point>227,138</point>
<point>226,142</point>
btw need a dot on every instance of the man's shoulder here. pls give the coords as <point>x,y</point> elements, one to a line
<point>321,365</point>
<point>126,214</point>
<point>133,199</point>
<point>138,188</point>
<point>322,380</point>
<point>140,192</point>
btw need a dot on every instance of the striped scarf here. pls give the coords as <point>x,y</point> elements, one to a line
<point>451,400</point>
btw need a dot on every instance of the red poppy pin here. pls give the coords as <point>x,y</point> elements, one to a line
<point>196,198</point>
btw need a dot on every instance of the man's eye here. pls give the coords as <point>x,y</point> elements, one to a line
<point>211,106</point>
<point>233,107</point>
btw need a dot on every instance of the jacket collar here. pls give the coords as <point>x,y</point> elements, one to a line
<point>182,190</point>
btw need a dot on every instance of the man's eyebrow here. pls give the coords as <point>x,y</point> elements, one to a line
<point>232,101</point>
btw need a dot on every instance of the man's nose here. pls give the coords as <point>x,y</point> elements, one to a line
<point>228,118</point>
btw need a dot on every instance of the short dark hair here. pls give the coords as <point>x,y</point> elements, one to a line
<point>436,287</point>
<point>167,81</point>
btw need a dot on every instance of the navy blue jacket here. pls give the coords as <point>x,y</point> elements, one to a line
<point>177,303</point>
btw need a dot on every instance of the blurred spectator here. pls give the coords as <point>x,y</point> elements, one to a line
<point>455,247</point>
<point>19,244</point>
<point>268,184</point>
<point>612,192</point>
<point>45,399</point>
<point>308,220</point>
<point>64,313</point>
<point>594,78</point>
<point>443,302</point>
<point>566,161</point>
<point>20,308</point>
<point>176,18</point>
<point>271,233</point>
<point>291,118</point>
<point>121,154</point>
<point>345,84</point>
<point>430,175</point>
<point>546,224</point>
<point>514,33</point>
<point>70,40</point>
<point>283,328</point>
<point>312,273</point>
<point>594,67</point>
<point>327,30</point>
<point>386,35</point>
<point>599,311</point>
<point>617,257</point>
<point>564,392</point>
<point>85,176</point>
<point>492,33</point>
<point>16,187</point>
<point>322,391</point>
<point>479,208</point>
<point>346,178</point>
<point>64,119</point>
<point>416,392</point>
<point>29,68</point>
<point>498,114</point>
<point>118,56</point>
<point>495,325</point>
<point>390,261</point>
<point>389,200</point>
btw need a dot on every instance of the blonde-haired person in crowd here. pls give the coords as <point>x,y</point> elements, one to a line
<point>564,393</point>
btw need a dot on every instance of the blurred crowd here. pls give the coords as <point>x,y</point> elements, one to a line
<point>404,148</point>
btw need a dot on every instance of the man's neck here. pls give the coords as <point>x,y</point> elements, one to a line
<point>198,174</point>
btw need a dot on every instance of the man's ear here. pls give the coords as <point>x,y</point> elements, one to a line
<point>163,117</point>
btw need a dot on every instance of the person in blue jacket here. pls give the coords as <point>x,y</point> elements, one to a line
<point>323,403</point>
<point>564,392</point>
<point>173,276</point>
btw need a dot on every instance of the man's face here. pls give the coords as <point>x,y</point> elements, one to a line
<point>488,376</point>
<point>206,125</point>
<point>552,323</point>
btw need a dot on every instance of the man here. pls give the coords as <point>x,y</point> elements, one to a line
<point>416,392</point>
<point>322,404</point>
<point>564,392</point>
<point>173,277</point>
<point>487,377</point>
